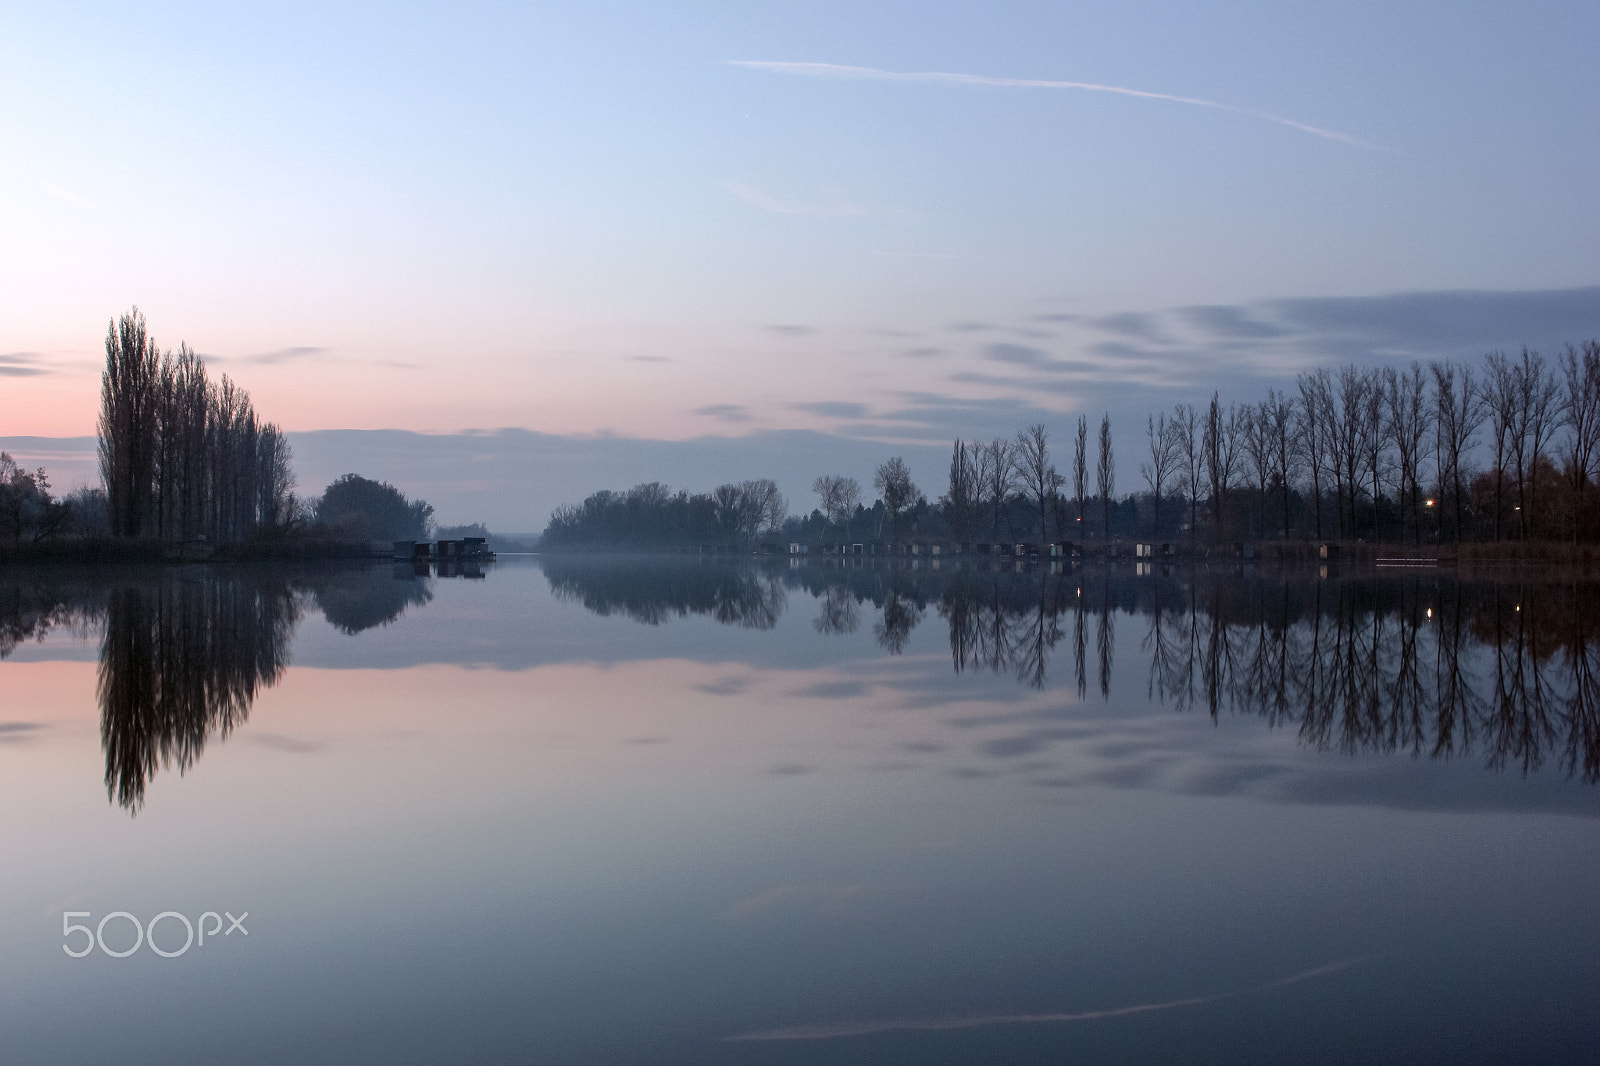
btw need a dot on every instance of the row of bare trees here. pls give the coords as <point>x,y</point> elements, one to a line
<point>183,457</point>
<point>1391,451</point>
<point>986,478</point>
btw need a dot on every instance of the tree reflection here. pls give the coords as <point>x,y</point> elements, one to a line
<point>1439,668</point>
<point>181,659</point>
<point>357,599</point>
<point>37,603</point>
<point>839,614</point>
<point>654,591</point>
<point>1434,667</point>
<point>901,613</point>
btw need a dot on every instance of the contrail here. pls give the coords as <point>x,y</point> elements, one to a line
<point>835,70</point>
<point>824,1031</point>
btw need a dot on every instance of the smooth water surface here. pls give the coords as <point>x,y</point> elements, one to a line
<point>665,811</point>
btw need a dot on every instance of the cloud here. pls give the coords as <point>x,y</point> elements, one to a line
<point>1129,324</point>
<point>970,327</point>
<point>289,745</point>
<point>832,205</point>
<point>727,412</point>
<point>282,355</point>
<point>791,331</point>
<point>922,353</point>
<point>848,73</point>
<point>833,409</point>
<point>1230,322</point>
<point>648,358</point>
<point>1038,359</point>
<point>1020,354</point>
<point>18,365</point>
<point>727,686</point>
<point>18,732</point>
<point>832,690</point>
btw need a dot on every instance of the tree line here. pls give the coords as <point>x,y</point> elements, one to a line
<point>183,457</point>
<point>653,515</point>
<point>1505,449</point>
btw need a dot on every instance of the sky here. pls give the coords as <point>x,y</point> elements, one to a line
<point>866,226</point>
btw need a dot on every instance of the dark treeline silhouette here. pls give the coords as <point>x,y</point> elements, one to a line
<point>182,457</point>
<point>1430,666</point>
<point>654,516</point>
<point>1507,449</point>
<point>360,509</point>
<point>28,512</point>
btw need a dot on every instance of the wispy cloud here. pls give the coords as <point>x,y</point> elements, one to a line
<point>791,331</point>
<point>727,412</point>
<point>21,365</point>
<point>284,355</point>
<point>848,73</point>
<point>832,204</point>
<point>833,409</point>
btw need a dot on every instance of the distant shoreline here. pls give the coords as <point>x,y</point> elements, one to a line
<point>116,552</point>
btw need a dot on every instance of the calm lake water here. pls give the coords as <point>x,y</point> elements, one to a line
<point>598,811</point>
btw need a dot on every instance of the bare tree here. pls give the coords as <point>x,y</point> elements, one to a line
<point>1221,444</point>
<point>839,497</point>
<point>1409,419</point>
<point>1277,415</point>
<point>1105,476</point>
<point>1457,416</point>
<point>762,506</point>
<point>1313,432</point>
<point>1350,425</point>
<point>129,417</point>
<point>894,485</point>
<point>729,500</point>
<point>1256,434</point>
<point>1036,474</point>
<point>1581,407</point>
<point>961,505</point>
<point>1499,399</point>
<point>1536,416</point>
<point>1163,462</point>
<point>1080,464</point>
<point>1191,458</point>
<point>999,478</point>
<point>1374,442</point>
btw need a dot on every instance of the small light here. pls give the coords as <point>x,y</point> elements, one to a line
<point>1430,503</point>
<point>1430,612</point>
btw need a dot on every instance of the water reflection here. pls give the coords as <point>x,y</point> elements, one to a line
<point>182,659</point>
<point>359,599</point>
<point>184,652</point>
<point>1426,665</point>
<point>654,591</point>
